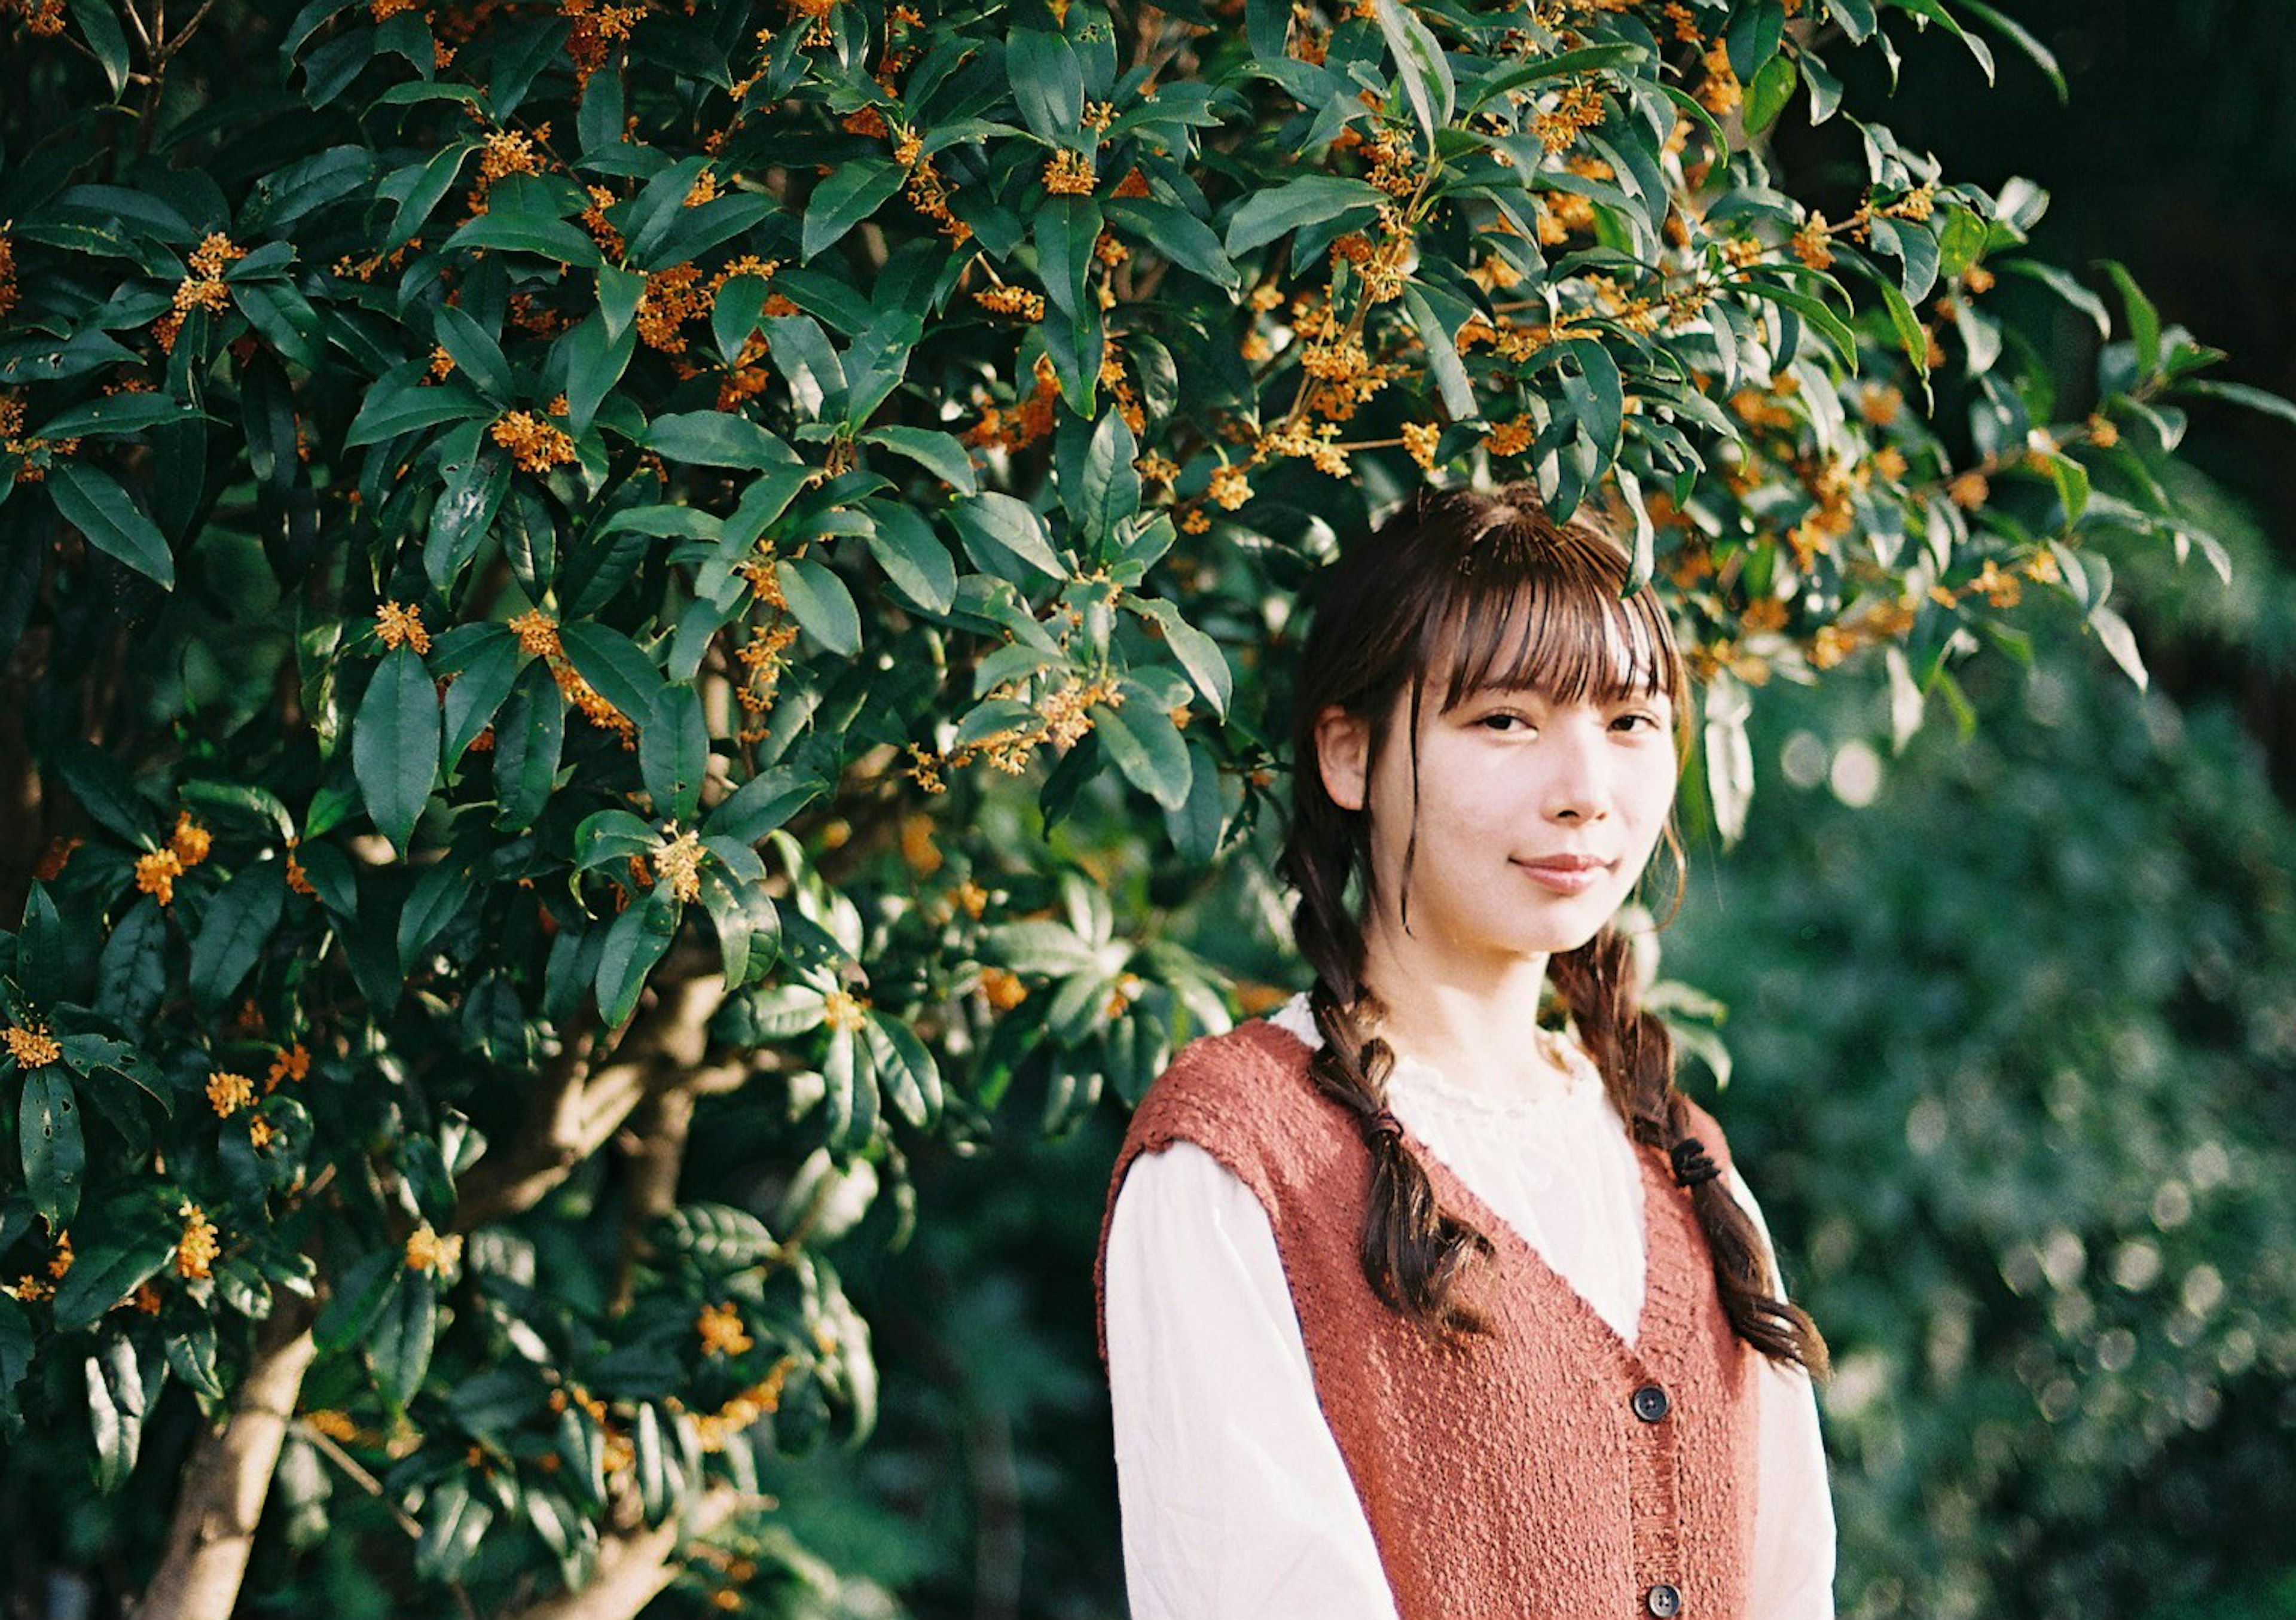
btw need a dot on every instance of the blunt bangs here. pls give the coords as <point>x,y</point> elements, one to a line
<point>1543,613</point>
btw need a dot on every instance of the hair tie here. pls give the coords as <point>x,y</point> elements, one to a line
<point>1690,1164</point>
<point>1384,1126</point>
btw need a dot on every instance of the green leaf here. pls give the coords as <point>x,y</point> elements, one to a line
<point>115,1411</point>
<point>132,973</point>
<point>1911,337</point>
<point>529,740</point>
<point>16,1344</point>
<point>597,357</point>
<point>852,191</point>
<point>238,924</point>
<point>1267,214</point>
<point>105,42</point>
<point>1770,93</point>
<point>674,753</point>
<point>905,1067</point>
<point>1420,64</point>
<point>1755,31</point>
<point>1111,493</point>
<point>1587,59</point>
<point>995,527</point>
<point>54,1151</point>
<point>637,940</point>
<point>2120,642</point>
<point>1047,81</point>
<point>1146,747</point>
<point>717,439</point>
<point>1175,235</point>
<point>614,664</point>
<point>436,901</point>
<point>115,416</point>
<point>453,1523</point>
<point>392,408</point>
<point>942,455</point>
<point>821,604</point>
<point>475,352</point>
<point>1197,654</point>
<point>2073,486</point>
<point>111,1265</point>
<point>913,557</point>
<point>2066,288</point>
<point>2144,320</point>
<point>363,1287</point>
<point>92,502</point>
<point>762,803</point>
<point>545,235</point>
<point>1829,325</point>
<point>477,693</point>
<point>399,1346</point>
<point>192,1357</point>
<point>395,744</point>
<point>2242,394</point>
<point>42,949</point>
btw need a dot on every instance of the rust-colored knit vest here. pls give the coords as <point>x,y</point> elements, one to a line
<point>1545,1471</point>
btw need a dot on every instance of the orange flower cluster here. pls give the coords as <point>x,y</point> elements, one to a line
<point>1002,987</point>
<point>1069,174</point>
<point>197,1248</point>
<point>844,1011</point>
<point>1511,437</point>
<point>228,1093</point>
<point>1064,714</point>
<point>37,454</point>
<point>677,862</point>
<point>427,1250</point>
<point>591,28</point>
<point>1024,422</point>
<point>31,1048</point>
<point>502,153</point>
<point>722,1331</point>
<point>672,297</point>
<point>1813,242</point>
<point>1720,93</point>
<point>299,881</point>
<point>534,444</point>
<point>8,293</point>
<point>1018,301</point>
<point>398,626</point>
<point>1394,164</point>
<point>719,1429</point>
<point>1119,384</point>
<point>1578,109</point>
<point>927,193</point>
<point>292,1064</point>
<point>156,871</point>
<point>201,289</point>
<point>43,19</point>
<point>1419,440</point>
<point>538,636</point>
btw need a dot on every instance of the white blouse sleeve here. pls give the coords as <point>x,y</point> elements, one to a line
<point>1792,1573</point>
<point>1235,1502</point>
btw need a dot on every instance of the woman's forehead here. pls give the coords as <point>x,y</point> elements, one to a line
<point>1604,648</point>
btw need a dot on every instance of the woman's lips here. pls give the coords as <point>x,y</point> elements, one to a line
<point>1565,873</point>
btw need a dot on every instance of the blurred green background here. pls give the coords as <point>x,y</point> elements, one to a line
<point>2013,1012</point>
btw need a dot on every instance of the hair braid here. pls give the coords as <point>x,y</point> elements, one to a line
<point>1414,1252</point>
<point>1635,1052</point>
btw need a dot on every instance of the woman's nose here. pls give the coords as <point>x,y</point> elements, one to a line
<point>1577,787</point>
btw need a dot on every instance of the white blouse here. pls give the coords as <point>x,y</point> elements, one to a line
<point>1237,1504</point>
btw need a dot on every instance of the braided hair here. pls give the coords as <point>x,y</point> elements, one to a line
<point>1492,588</point>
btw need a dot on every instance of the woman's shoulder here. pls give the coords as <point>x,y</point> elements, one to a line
<point>1226,1070</point>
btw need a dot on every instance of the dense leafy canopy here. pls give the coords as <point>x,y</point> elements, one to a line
<point>643,573</point>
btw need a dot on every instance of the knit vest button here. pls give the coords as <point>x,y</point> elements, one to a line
<point>1664,1601</point>
<point>1651,1404</point>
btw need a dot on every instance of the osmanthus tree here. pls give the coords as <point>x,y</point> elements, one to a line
<point>578,578</point>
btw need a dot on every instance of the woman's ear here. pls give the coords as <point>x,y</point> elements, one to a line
<point>1343,755</point>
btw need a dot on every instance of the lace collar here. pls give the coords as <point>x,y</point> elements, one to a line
<point>1573,1081</point>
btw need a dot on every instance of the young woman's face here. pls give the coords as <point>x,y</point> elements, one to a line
<point>1534,816</point>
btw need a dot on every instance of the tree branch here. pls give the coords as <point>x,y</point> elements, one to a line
<point>229,1476</point>
<point>635,1564</point>
<point>587,1094</point>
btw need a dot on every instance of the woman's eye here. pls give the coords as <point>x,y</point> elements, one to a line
<point>1636,720</point>
<point>1504,720</point>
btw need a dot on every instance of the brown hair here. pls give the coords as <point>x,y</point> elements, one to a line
<point>1440,584</point>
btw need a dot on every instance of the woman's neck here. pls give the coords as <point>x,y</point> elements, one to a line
<point>1472,1021</point>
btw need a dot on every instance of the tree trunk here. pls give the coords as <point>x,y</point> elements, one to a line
<point>225,1485</point>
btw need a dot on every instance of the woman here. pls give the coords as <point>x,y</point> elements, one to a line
<point>1413,1305</point>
